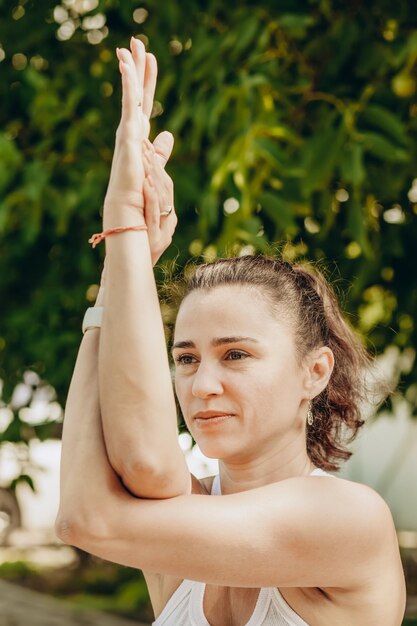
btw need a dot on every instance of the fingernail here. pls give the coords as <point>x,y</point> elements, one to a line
<point>124,55</point>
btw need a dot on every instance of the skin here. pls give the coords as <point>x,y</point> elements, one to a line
<point>261,382</point>
<point>142,451</point>
<point>275,526</point>
<point>292,529</point>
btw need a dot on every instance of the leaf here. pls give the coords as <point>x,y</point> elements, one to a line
<point>221,105</point>
<point>272,152</point>
<point>282,132</point>
<point>259,243</point>
<point>210,209</point>
<point>11,159</point>
<point>13,431</point>
<point>251,224</point>
<point>344,36</point>
<point>352,169</point>
<point>380,118</point>
<point>278,209</point>
<point>296,24</point>
<point>36,176</point>
<point>321,154</point>
<point>71,102</point>
<point>356,223</point>
<point>244,36</point>
<point>406,51</point>
<point>47,111</point>
<point>379,146</point>
<point>250,81</point>
<point>23,478</point>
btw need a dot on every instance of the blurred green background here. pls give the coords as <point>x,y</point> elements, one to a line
<point>295,125</point>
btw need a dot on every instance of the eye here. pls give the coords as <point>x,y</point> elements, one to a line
<point>182,359</point>
<point>237,353</point>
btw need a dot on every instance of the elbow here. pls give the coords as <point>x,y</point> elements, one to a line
<point>80,531</point>
<point>65,530</point>
<point>151,480</point>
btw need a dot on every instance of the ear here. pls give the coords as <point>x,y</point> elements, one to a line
<point>319,368</point>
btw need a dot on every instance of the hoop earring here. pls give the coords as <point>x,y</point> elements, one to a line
<point>310,416</point>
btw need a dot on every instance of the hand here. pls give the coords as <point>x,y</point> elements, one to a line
<point>123,204</point>
<point>158,192</point>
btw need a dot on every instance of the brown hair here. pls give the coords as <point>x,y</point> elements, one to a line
<point>304,295</point>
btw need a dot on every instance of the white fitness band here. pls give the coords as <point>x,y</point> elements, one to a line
<point>92,317</point>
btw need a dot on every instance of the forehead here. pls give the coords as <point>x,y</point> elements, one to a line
<point>229,309</point>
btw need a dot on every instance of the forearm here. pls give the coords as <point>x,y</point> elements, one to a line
<point>89,486</point>
<point>85,471</point>
<point>136,394</point>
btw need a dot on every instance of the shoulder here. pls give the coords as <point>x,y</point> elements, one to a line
<point>339,517</point>
<point>352,505</point>
<point>358,497</point>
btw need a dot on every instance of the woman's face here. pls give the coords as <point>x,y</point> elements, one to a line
<point>234,357</point>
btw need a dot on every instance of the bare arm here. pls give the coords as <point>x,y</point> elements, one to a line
<point>83,452</point>
<point>299,532</point>
<point>213,539</point>
<point>135,389</point>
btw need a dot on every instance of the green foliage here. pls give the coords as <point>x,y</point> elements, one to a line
<point>23,478</point>
<point>90,583</point>
<point>16,570</point>
<point>303,111</point>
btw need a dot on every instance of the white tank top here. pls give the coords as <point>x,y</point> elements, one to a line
<point>185,606</point>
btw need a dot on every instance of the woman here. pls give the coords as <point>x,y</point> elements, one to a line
<point>267,377</point>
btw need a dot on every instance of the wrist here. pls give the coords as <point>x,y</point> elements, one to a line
<point>123,210</point>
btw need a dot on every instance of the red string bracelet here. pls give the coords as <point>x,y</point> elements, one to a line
<point>95,239</point>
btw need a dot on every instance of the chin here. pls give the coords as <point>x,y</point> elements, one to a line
<point>221,450</point>
<point>210,449</point>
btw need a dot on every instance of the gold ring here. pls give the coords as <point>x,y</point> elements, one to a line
<point>167,212</point>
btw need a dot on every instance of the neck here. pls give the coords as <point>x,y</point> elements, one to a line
<point>289,462</point>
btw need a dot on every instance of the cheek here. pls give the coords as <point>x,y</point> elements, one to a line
<point>277,388</point>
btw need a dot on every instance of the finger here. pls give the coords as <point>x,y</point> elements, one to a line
<point>163,144</point>
<point>149,84</point>
<point>139,58</point>
<point>152,212</point>
<point>148,146</point>
<point>129,103</point>
<point>163,182</point>
<point>125,55</point>
<point>148,161</point>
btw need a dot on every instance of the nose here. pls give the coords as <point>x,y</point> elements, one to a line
<point>206,382</point>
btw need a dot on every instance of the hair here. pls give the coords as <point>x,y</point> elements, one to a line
<point>302,294</point>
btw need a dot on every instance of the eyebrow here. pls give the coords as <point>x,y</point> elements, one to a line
<point>218,341</point>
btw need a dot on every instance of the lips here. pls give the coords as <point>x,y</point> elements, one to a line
<point>210,419</point>
<point>211,414</point>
